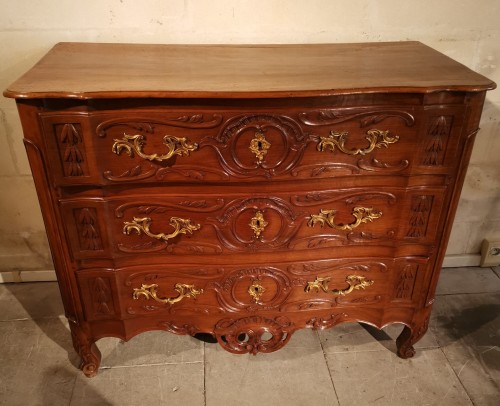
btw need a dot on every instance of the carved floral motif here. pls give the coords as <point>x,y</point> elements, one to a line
<point>88,230</point>
<point>438,132</point>
<point>421,206</point>
<point>72,155</point>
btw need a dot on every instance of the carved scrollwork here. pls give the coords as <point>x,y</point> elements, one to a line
<point>141,225</point>
<point>365,116</point>
<point>134,144</point>
<point>243,289</point>
<point>361,214</point>
<point>253,334</point>
<point>147,124</point>
<point>376,139</point>
<point>247,132</point>
<point>321,323</point>
<point>243,210</point>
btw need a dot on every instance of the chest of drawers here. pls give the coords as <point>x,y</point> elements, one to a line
<point>247,191</point>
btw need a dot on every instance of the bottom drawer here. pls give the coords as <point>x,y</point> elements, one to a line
<point>203,296</point>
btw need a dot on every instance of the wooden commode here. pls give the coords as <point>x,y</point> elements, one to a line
<point>247,191</point>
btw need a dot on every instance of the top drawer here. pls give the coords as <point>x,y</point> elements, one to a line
<point>164,145</point>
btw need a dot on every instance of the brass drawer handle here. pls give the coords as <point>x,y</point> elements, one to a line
<point>259,146</point>
<point>151,292</point>
<point>181,226</point>
<point>258,224</point>
<point>135,144</point>
<point>355,282</point>
<point>361,214</point>
<point>376,138</point>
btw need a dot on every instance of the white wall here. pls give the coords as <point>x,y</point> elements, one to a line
<point>466,30</point>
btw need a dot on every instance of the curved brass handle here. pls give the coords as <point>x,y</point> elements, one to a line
<point>259,146</point>
<point>376,138</point>
<point>258,224</point>
<point>181,226</point>
<point>361,214</point>
<point>355,282</point>
<point>151,292</point>
<point>256,290</point>
<point>135,144</point>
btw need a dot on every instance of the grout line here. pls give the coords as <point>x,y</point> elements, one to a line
<point>73,390</point>
<point>468,293</point>
<point>458,377</point>
<point>328,367</point>
<point>149,365</point>
<point>33,319</point>
<point>204,375</point>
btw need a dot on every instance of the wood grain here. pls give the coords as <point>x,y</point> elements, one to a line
<point>87,70</point>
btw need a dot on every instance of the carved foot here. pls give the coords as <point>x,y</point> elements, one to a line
<point>85,346</point>
<point>405,344</point>
<point>409,336</point>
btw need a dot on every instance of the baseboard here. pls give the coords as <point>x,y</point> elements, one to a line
<point>28,276</point>
<point>457,261</point>
<point>450,261</point>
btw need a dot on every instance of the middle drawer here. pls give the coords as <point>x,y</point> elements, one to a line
<point>212,224</point>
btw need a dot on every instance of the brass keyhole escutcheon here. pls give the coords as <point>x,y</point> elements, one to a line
<point>258,224</point>
<point>256,290</point>
<point>259,146</point>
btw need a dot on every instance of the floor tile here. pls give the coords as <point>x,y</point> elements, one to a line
<point>381,378</point>
<point>351,337</point>
<point>467,327</point>
<point>496,269</point>
<point>467,280</point>
<point>179,384</point>
<point>30,300</point>
<point>295,375</point>
<point>38,363</point>
<point>153,347</point>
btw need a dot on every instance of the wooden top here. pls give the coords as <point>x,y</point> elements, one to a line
<point>87,70</point>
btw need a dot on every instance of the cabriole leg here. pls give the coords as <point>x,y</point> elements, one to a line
<point>85,346</point>
<point>410,335</point>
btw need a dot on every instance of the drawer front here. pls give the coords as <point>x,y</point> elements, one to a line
<point>216,293</point>
<point>210,224</point>
<point>246,146</point>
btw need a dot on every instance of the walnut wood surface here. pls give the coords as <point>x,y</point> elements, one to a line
<point>85,70</point>
<point>353,193</point>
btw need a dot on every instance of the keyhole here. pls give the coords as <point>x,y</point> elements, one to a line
<point>259,145</point>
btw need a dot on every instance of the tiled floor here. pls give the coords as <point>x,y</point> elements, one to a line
<point>457,362</point>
